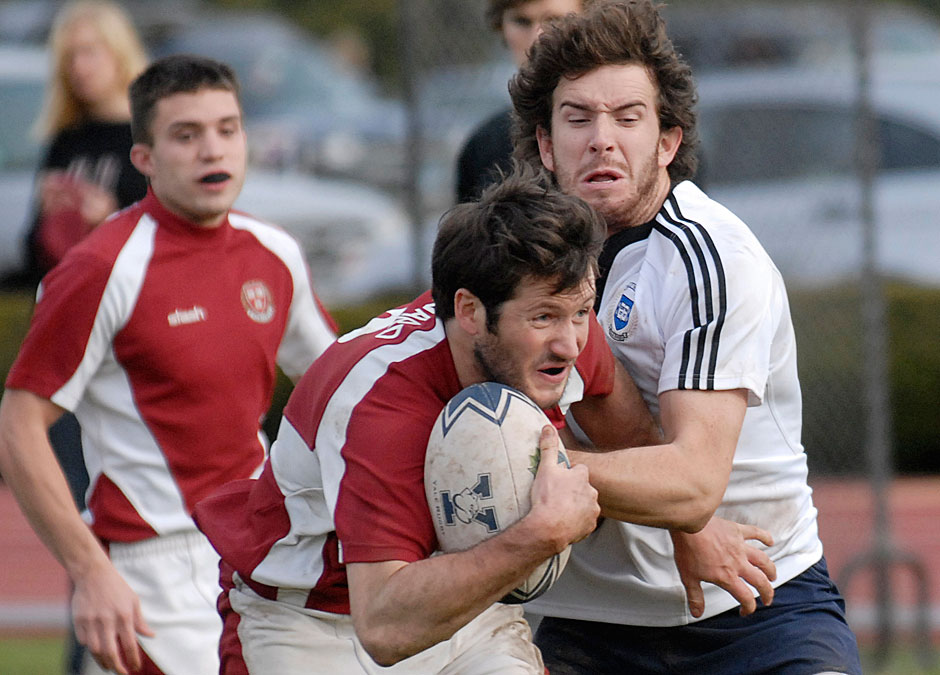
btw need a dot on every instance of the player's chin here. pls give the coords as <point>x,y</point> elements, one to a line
<point>546,391</point>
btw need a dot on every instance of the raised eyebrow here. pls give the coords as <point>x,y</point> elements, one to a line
<point>584,107</point>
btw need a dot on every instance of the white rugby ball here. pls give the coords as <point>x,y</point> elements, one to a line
<point>478,473</point>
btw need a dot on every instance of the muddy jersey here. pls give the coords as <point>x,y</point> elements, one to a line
<point>691,301</point>
<point>163,338</point>
<point>345,480</point>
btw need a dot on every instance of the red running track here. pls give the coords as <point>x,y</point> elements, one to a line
<point>33,587</point>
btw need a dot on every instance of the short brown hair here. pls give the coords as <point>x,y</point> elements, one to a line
<point>522,227</point>
<point>175,74</point>
<point>608,33</point>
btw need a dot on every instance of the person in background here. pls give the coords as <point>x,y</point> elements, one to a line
<point>162,331</point>
<point>489,147</point>
<point>87,173</point>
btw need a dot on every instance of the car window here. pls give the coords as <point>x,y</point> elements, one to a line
<point>778,142</point>
<point>21,101</point>
<point>904,146</point>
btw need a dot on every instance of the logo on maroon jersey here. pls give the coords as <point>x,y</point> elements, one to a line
<point>257,301</point>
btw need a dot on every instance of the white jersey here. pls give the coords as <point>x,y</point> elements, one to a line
<point>692,301</point>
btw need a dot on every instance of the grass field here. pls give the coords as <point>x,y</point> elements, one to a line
<point>44,656</point>
<point>32,656</point>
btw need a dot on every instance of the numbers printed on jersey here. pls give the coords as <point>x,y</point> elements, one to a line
<point>390,327</point>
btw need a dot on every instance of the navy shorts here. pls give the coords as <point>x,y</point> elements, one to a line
<point>803,632</point>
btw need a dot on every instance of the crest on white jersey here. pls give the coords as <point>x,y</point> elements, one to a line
<point>618,324</point>
<point>257,301</point>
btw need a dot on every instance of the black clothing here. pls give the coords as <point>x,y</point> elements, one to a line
<point>97,152</point>
<point>488,149</point>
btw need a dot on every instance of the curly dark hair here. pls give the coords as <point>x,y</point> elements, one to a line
<point>609,32</point>
<point>522,227</point>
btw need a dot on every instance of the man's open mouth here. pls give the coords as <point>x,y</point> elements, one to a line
<point>215,177</point>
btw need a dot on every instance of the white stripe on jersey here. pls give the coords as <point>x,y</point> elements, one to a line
<point>114,310</point>
<point>297,468</point>
<point>134,461</point>
<point>708,289</point>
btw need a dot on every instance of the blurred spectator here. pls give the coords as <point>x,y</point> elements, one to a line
<point>86,174</point>
<point>489,147</point>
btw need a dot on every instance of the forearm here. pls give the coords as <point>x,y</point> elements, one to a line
<point>678,484</point>
<point>658,486</point>
<point>30,469</point>
<point>426,602</point>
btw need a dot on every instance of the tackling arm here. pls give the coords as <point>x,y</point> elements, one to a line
<point>105,610</point>
<point>680,483</point>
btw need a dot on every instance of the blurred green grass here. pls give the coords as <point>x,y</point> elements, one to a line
<point>32,655</point>
<point>44,656</point>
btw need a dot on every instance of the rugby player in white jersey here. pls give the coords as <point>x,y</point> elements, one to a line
<point>697,312</point>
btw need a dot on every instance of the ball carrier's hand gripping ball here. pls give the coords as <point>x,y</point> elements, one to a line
<point>478,473</point>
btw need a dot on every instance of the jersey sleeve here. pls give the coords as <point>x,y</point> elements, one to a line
<point>309,330</point>
<point>71,330</point>
<point>381,511</point>
<point>717,320</point>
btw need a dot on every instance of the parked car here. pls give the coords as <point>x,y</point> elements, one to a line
<point>739,33</point>
<point>304,107</point>
<point>29,21</point>
<point>23,72</point>
<point>780,145</point>
<point>356,238</point>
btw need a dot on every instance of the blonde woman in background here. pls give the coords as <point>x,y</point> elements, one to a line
<point>86,173</point>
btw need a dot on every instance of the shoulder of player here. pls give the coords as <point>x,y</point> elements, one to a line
<point>372,378</point>
<point>482,138</point>
<point>273,237</point>
<point>695,227</point>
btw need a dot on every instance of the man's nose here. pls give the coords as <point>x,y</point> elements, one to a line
<point>602,138</point>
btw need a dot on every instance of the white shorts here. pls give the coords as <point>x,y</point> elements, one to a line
<point>177,580</point>
<point>277,637</point>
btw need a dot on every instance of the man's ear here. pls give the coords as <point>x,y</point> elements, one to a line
<point>469,312</point>
<point>669,142</point>
<point>141,158</point>
<point>544,139</point>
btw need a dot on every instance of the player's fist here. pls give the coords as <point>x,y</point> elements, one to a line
<point>562,496</point>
